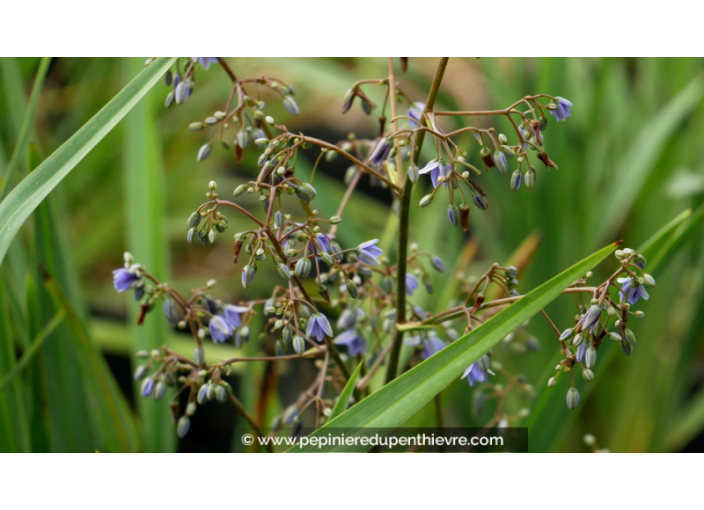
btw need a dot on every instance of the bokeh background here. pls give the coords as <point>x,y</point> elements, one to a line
<point>629,162</point>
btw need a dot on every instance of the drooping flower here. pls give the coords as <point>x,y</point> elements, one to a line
<point>381,151</point>
<point>590,318</point>
<point>563,109</point>
<point>233,315</point>
<point>436,169</point>
<point>122,279</point>
<point>206,61</point>
<point>220,329</point>
<point>415,112</point>
<point>477,371</point>
<point>632,291</point>
<point>353,340</point>
<point>368,252</point>
<point>318,327</point>
<point>349,317</point>
<point>431,345</point>
<point>323,242</point>
<point>411,284</point>
<point>170,312</point>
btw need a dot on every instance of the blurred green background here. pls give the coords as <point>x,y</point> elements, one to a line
<point>629,163</point>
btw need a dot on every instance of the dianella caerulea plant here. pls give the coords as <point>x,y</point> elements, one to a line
<point>336,302</point>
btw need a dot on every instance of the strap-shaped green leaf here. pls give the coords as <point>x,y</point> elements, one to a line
<point>29,193</point>
<point>344,398</point>
<point>400,399</point>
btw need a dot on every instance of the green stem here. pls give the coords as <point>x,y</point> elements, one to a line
<point>402,254</point>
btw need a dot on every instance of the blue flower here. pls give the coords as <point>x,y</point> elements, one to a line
<point>122,279</point>
<point>563,109</point>
<point>477,371</point>
<point>432,345</point>
<point>233,315</point>
<point>415,112</point>
<point>220,329</point>
<point>632,291</point>
<point>411,284</point>
<point>436,169</point>
<point>323,242</point>
<point>353,340</point>
<point>206,61</point>
<point>590,318</point>
<point>348,318</point>
<point>381,151</point>
<point>318,327</point>
<point>368,252</point>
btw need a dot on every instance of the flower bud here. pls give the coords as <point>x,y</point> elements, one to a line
<point>479,200</point>
<point>159,390</point>
<point>184,423</point>
<point>567,334</point>
<point>437,264</point>
<point>204,152</point>
<point>572,398</point>
<point>191,408</point>
<point>453,214</point>
<point>140,372</point>
<point>413,172</point>
<point>516,180</point>
<point>283,271</point>
<point>351,288</point>
<point>199,355</point>
<point>588,375</point>
<point>147,387</point>
<point>552,382</point>
<point>248,275</point>
<point>530,178</point>
<point>299,344</point>
<point>426,200</point>
<point>590,357</point>
<point>220,393</point>
<point>306,192</point>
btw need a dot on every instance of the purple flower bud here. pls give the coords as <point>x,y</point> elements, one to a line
<point>147,387</point>
<point>479,200</point>
<point>381,151</point>
<point>291,105</point>
<point>572,398</point>
<point>516,180</point>
<point>453,214</point>
<point>248,275</point>
<point>437,264</point>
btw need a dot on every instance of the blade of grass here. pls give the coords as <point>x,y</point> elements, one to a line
<point>344,399</point>
<point>29,193</point>
<point>27,123</point>
<point>144,192</point>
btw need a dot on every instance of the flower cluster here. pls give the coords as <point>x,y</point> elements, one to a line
<point>332,302</point>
